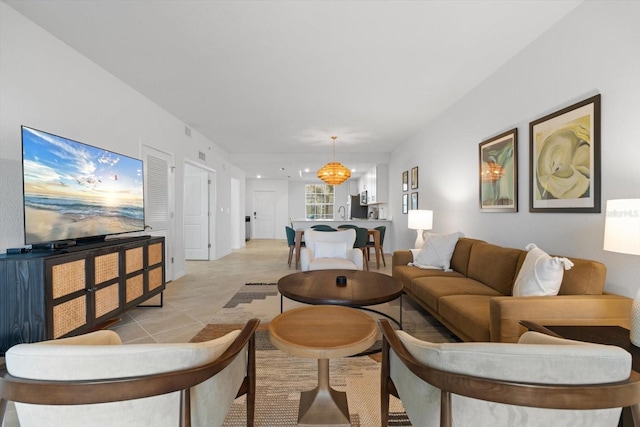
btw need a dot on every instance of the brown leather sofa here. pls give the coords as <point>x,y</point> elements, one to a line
<point>475,302</point>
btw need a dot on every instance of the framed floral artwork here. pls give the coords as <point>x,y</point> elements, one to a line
<point>405,203</point>
<point>405,181</point>
<point>414,178</point>
<point>414,201</point>
<point>499,173</point>
<point>564,169</point>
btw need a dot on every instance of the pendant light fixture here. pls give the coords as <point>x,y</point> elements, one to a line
<point>334,173</point>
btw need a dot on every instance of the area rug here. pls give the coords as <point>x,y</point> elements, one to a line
<point>281,377</point>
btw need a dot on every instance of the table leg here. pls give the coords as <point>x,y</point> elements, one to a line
<point>400,311</point>
<point>323,405</point>
<point>298,240</point>
<point>376,243</point>
<point>635,415</point>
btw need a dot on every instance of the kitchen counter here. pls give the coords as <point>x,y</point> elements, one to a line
<point>333,222</point>
<point>365,223</point>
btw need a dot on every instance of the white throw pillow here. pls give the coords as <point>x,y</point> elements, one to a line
<point>437,251</point>
<point>330,250</point>
<point>540,274</point>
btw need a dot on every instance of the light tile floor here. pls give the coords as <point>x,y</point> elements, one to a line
<point>190,301</point>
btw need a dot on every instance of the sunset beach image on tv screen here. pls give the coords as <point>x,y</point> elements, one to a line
<point>74,190</point>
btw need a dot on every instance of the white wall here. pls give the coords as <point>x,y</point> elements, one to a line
<point>593,50</point>
<point>49,86</point>
<point>296,200</point>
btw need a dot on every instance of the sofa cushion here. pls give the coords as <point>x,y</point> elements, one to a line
<point>541,274</point>
<point>437,251</point>
<point>98,355</point>
<point>469,314</point>
<point>460,257</point>
<point>431,289</point>
<point>330,250</point>
<point>494,266</point>
<point>587,277</point>
<point>332,264</point>
<point>406,274</point>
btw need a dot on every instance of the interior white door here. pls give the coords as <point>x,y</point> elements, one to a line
<point>196,213</point>
<point>263,217</point>
<point>159,188</point>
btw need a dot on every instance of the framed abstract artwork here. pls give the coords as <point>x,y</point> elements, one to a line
<point>499,173</point>
<point>414,178</point>
<point>564,169</point>
<point>414,201</point>
<point>405,203</point>
<point>405,181</point>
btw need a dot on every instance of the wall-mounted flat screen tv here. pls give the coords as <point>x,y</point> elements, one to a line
<point>74,191</point>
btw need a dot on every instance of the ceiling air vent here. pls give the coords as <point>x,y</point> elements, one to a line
<point>201,155</point>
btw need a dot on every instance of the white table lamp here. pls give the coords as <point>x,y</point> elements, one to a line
<point>622,234</point>
<point>420,220</point>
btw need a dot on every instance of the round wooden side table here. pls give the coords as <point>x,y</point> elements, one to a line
<point>323,332</point>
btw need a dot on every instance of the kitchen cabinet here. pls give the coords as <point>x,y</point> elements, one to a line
<point>376,183</point>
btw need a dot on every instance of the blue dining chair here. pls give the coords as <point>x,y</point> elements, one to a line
<point>291,241</point>
<point>348,226</point>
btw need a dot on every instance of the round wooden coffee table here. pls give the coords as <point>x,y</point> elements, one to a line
<point>363,289</point>
<point>323,332</point>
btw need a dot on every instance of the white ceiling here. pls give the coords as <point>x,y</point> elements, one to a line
<point>271,81</point>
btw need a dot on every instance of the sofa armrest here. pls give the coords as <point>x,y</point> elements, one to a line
<point>306,255</point>
<point>356,256</point>
<point>402,257</point>
<point>507,312</point>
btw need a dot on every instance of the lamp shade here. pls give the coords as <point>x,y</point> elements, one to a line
<point>622,226</point>
<point>622,234</point>
<point>420,219</point>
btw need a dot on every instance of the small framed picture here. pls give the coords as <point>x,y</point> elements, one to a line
<point>564,169</point>
<point>405,181</point>
<point>414,201</point>
<point>405,203</point>
<point>414,178</point>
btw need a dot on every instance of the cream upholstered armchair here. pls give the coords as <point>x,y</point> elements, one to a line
<point>92,380</point>
<point>325,250</point>
<point>540,381</point>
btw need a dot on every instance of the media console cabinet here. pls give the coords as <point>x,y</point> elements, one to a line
<point>52,294</point>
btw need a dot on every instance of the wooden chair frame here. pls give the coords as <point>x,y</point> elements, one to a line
<point>363,235</point>
<point>553,396</point>
<point>44,392</point>
<point>291,241</point>
<point>371,245</point>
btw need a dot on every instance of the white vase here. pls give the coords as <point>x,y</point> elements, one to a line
<point>635,321</point>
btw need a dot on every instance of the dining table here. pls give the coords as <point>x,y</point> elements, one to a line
<point>372,233</point>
